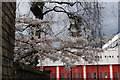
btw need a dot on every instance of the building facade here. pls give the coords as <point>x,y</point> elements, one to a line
<point>108,66</point>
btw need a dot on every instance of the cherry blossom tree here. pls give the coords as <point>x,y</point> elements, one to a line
<point>36,38</point>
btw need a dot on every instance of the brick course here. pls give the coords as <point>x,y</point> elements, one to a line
<point>8,35</point>
<point>0,40</point>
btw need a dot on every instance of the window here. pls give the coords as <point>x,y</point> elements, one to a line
<point>63,75</point>
<point>110,56</point>
<point>98,56</point>
<point>53,75</point>
<point>74,76</point>
<point>95,76</point>
<point>79,75</point>
<point>68,75</point>
<point>95,56</point>
<point>115,74</point>
<point>117,56</point>
<point>100,75</point>
<point>89,75</point>
<point>105,75</point>
<point>115,43</point>
<point>105,56</point>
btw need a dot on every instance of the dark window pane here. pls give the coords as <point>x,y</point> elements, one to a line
<point>100,75</point>
<point>115,74</point>
<point>63,75</point>
<point>79,75</point>
<point>95,76</point>
<point>53,75</point>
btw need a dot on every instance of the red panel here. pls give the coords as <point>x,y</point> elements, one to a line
<point>103,69</point>
<point>116,68</point>
<point>90,69</point>
<point>79,69</point>
<point>63,71</point>
<point>53,69</point>
<point>37,68</point>
<point>96,69</point>
<point>40,68</point>
<point>76,70</point>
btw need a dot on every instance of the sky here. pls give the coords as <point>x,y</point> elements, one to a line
<point>109,14</point>
<point>110,18</point>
